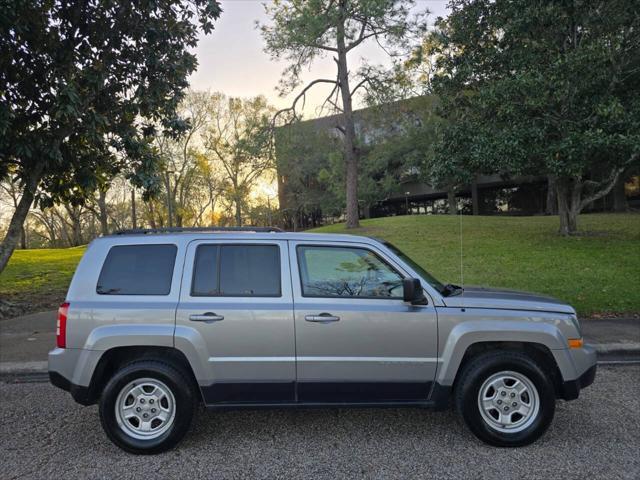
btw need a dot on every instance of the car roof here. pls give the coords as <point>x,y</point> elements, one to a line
<point>236,234</point>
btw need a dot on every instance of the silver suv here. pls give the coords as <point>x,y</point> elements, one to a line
<point>156,322</point>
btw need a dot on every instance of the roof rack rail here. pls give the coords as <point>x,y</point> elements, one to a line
<point>145,231</point>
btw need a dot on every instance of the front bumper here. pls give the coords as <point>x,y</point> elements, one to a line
<point>571,388</point>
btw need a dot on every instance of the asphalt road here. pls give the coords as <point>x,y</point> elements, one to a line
<point>43,434</point>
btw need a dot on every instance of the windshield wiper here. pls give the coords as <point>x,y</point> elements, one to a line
<point>450,290</point>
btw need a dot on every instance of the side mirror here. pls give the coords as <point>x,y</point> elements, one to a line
<point>412,289</point>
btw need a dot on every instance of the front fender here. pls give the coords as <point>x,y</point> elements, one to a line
<point>465,334</point>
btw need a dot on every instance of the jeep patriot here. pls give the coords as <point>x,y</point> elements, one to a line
<point>157,321</point>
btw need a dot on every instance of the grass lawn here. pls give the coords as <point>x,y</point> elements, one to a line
<point>39,278</point>
<point>597,272</point>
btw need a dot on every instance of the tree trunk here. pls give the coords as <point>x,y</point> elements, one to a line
<point>451,200</point>
<point>350,152</point>
<point>19,215</point>
<point>23,238</point>
<point>23,231</point>
<point>76,227</point>
<point>567,209</point>
<point>102,207</point>
<point>238,204</point>
<point>571,203</point>
<point>552,200</point>
<point>134,218</point>
<point>152,214</point>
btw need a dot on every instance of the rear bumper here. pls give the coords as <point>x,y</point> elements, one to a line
<point>571,388</point>
<point>71,370</point>
<point>80,394</point>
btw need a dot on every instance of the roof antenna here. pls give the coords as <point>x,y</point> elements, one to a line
<point>461,256</point>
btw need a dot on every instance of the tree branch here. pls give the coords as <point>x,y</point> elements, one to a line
<point>301,95</point>
<point>610,182</point>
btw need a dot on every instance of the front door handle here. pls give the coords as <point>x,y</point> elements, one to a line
<point>322,318</point>
<point>206,317</point>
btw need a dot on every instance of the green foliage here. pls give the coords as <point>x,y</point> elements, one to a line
<point>598,271</point>
<point>532,87</point>
<point>307,156</point>
<point>302,31</point>
<point>397,138</point>
<point>83,84</point>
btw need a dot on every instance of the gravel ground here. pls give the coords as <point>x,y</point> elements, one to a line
<point>45,435</point>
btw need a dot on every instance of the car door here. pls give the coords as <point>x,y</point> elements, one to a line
<point>236,308</point>
<point>356,339</point>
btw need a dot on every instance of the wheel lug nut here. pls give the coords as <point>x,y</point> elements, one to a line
<point>506,409</point>
<point>514,404</point>
<point>513,394</point>
<point>138,409</point>
<point>142,400</point>
<point>145,415</point>
<point>499,402</point>
<point>153,410</point>
<point>503,393</point>
<point>151,401</point>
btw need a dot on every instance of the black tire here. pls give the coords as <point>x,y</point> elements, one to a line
<point>477,371</point>
<point>185,405</point>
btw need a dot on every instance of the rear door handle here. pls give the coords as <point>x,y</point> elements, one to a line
<point>206,317</point>
<point>322,318</point>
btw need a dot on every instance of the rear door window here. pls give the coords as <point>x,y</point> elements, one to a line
<point>137,270</point>
<point>237,271</point>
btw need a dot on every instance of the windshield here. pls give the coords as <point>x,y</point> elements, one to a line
<point>430,279</point>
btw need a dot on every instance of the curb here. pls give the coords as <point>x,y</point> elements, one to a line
<point>605,351</point>
<point>617,348</point>
<point>20,368</point>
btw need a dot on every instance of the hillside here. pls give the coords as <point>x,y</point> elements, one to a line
<point>598,272</point>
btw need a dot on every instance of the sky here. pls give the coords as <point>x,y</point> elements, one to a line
<point>232,60</point>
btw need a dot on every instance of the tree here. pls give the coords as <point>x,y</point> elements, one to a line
<point>305,153</point>
<point>301,31</point>
<point>543,88</point>
<point>190,183</point>
<point>238,139</point>
<point>82,85</point>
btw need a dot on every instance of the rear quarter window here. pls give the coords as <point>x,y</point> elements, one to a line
<point>137,270</point>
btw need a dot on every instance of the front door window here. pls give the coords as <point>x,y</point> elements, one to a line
<point>346,272</point>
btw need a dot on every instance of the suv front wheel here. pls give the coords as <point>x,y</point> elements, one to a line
<point>506,399</point>
<point>147,407</point>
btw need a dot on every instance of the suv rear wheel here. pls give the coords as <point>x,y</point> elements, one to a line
<point>147,406</point>
<point>505,398</point>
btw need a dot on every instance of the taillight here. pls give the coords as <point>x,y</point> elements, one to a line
<point>61,326</point>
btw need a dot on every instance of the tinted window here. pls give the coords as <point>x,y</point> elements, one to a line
<point>137,270</point>
<point>237,271</point>
<point>205,271</point>
<point>346,272</point>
